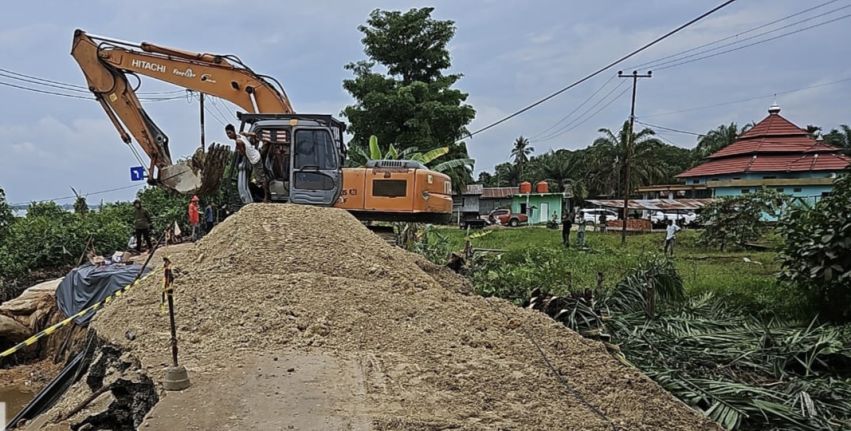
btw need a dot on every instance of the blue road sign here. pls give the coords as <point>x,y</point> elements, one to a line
<point>137,173</point>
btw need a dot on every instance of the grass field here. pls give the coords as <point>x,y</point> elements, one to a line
<point>534,257</point>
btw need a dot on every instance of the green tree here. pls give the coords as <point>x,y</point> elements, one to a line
<point>816,255</point>
<point>556,167</point>
<point>840,138</point>
<point>506,175</point>
<point>414,104</point>
<point>608,154</point>
<point>716,139</point>
<point>6,215</point>
<point>520,153</point>
<point>737,220</point>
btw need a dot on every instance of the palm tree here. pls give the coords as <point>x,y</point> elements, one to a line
<point>609,157</point>
<point>521,152</point>
<point>559,167</point>
<point>717,139</point>
<point>840,138</point>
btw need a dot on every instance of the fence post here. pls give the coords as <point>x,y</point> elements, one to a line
<point>176,378</point>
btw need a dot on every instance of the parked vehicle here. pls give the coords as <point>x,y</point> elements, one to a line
<point>593,215</point>
<point>473,220</point>
<point>683,217</point>
<point>505,217</point>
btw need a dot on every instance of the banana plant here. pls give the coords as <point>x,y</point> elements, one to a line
<point>374,152</point>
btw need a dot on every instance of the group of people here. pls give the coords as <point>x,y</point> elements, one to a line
<point>567,225</point>
<point>143,222</point>
<point>194,214</point>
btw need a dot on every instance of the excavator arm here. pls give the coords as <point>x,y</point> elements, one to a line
<point>106,64</point>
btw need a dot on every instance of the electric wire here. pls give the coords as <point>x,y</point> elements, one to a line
<point>759,42</point>
<point>584,120</point>
<point>749,99</point>
<point>99,192</point>
<point>561,379</point>
<point>53,93</point>
<point>685,132</point>
<point>562,119</point>
<point>602,69</point>
<point>760,27</point>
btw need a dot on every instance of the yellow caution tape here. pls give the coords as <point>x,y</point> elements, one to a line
<point>51,329</point>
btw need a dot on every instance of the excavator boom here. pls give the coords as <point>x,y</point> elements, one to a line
<point>106,64</point>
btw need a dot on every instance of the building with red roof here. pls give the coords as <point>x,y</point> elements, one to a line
<point>774,153</point>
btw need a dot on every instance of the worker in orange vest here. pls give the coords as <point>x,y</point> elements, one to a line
<point>194,217</point>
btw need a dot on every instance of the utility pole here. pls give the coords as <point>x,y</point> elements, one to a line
<point>628,147</point>
<point>202,121</point>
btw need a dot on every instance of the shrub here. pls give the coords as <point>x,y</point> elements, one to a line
<point>816,256</point>
<point>736,220</point>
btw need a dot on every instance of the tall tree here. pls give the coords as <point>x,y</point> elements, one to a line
<point>6,215</point>
<point>520,153</point>
<point>413,104</point>
<point>608,155</point>
<point>840,138</point>
<point>717,139</point>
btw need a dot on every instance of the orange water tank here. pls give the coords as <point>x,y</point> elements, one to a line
<point>542,187</point>
<point>525,187</point>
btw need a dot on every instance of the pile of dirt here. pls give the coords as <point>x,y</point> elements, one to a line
<point>284,281</point>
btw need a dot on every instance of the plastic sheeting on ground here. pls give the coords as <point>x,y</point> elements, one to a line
<point>89,284</point>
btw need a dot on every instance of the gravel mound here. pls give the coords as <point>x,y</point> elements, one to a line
<point>278,278</point>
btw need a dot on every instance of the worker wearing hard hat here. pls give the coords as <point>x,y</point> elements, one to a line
<point>194,218</point>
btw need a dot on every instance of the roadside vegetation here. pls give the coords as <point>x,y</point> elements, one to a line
<point>748,323</point>
<point>48,240</point>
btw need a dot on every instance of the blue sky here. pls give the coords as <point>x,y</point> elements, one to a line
<point>510,52</point>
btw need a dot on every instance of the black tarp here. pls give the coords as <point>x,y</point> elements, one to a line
<point>89,284</point>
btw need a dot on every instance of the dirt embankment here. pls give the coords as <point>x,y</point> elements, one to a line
<point>296,316</point>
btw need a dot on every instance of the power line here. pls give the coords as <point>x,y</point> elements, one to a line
<point>644,65</point>
<point>580,119</point>
<point>669,129</point>
<point>604,68</point>
<point>537,135</point>
<point>749,99</point>
<point>594,114</point>
<point>70,87</point>
<point>33,81</point>
<point>755,43</point>
<point>77,96</point>
<point>100,192</point>
<point>20,87</point>
<point>42,79</point>
<point>660,64</point>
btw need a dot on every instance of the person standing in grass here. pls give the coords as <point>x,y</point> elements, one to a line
<point>580,233</point>
<point>670,237</point>
<point>566,225</point>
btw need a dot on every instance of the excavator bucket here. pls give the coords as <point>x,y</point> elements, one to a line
<point>202,174</point>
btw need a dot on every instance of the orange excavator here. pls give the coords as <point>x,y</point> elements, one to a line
<point>303,163</point>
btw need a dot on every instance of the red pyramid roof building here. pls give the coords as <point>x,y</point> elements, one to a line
<point>775,144</point>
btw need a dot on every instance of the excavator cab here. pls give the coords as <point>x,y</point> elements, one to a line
<point>302,155</point>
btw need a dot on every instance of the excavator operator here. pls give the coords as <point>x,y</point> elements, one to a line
<point>250,152</point>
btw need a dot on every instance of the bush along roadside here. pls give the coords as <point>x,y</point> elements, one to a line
<point>744,373</point>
